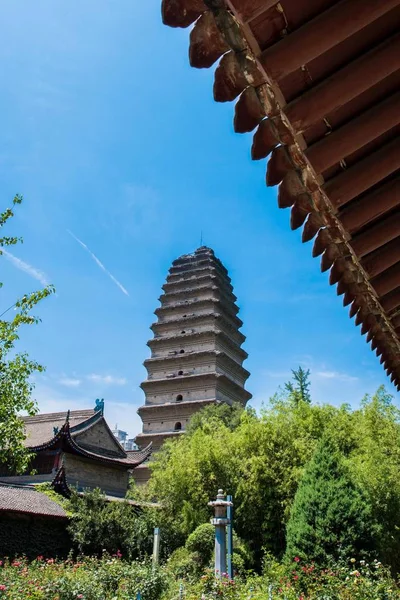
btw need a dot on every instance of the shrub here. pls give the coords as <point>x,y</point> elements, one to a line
<point>97,525</point>
<point>180,564</point>
<point>331,517</point>
<point>202,540</point>
<point>108,578</point>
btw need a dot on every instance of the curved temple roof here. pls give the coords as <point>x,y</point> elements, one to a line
<point>318,81</point>
<point>27,500</point>
<point>64,439</point>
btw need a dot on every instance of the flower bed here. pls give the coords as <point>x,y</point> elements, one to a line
<point>360,581</point>
<point>111,578</point>
<point>89,579</point>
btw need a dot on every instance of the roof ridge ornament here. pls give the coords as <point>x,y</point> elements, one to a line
<point>99,406</point>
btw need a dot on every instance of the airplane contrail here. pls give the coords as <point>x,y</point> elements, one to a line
<point>26,267</point>
<point>99,263</point>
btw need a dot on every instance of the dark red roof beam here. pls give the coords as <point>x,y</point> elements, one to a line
<point>246,10</point>
<point>181,13</point>
<point>206,42</point>
<point>371,206</point>
<point>355,134</point>
<point>321,34</point>
<point>374,237</point>
<point>345,84</point>
<point>364,174</point>
<point>382,259</point>
<point>396,322</point>
<point>387,281</point>
<point>391,301</point>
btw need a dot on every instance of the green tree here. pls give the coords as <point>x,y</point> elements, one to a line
<point>227,414</point>
<point>375,464</point>
<point>261,460</point>
<point>331,518</point>
<point>16,369</point>
<point>98,525</point>
<point>299,387</point>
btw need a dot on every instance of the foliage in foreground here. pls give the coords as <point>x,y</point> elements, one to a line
<point>112,578</point>
<point>107,578</point>
<point>261,460</point>
<point>303,582</point>
<point>331,518</point>
<point>15,371</point>
<point>97,526</point>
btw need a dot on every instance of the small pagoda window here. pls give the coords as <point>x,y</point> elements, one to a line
<point>179,398</point>
<point>181,352</point>
<point>183,331</point>
<point>178,426</point>
<point>180,372</point>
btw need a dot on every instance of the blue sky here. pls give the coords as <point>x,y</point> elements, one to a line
<point>116,144</point>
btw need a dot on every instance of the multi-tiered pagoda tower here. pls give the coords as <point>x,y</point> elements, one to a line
<point>196,355</point>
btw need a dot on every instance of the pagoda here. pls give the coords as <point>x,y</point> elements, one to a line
<point>196,355</point>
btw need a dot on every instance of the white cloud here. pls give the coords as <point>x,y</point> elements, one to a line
<point>99,264</point>
<point>107,379</point>
<point>335,375</point>
<point>26,268</point>
<point>69,382</point>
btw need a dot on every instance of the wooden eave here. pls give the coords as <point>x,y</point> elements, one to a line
<point>65,442</point>
<point>317,81</point>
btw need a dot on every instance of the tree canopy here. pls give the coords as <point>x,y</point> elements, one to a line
<point>16,369</point>
<point>261,459</point>
<point>331,516</point>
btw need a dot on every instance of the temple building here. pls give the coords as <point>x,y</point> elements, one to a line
<point>76,449</point>
<point>196,355</point>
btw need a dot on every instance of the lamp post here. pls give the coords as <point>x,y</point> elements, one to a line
<point>156,546</point>
<point>220,521</point>
<point>229,537</point>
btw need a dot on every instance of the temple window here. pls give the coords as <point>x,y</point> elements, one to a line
<point>178,426</point>
<point>181,352</point>
<point>179,398</point>
<point>180,372</point>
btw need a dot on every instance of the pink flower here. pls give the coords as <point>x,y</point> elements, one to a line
<point>296,559</point>
<point>2,588</point>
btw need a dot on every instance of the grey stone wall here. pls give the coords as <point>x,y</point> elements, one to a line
<point>84,474</point>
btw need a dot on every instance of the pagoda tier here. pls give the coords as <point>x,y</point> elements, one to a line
<point>195,341</point>
<point>199,323</point>
<point>205,361</point>
<point>206,278</point>
<point>196,306</point>
<point>196,355</point>
<point>199,291</point>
